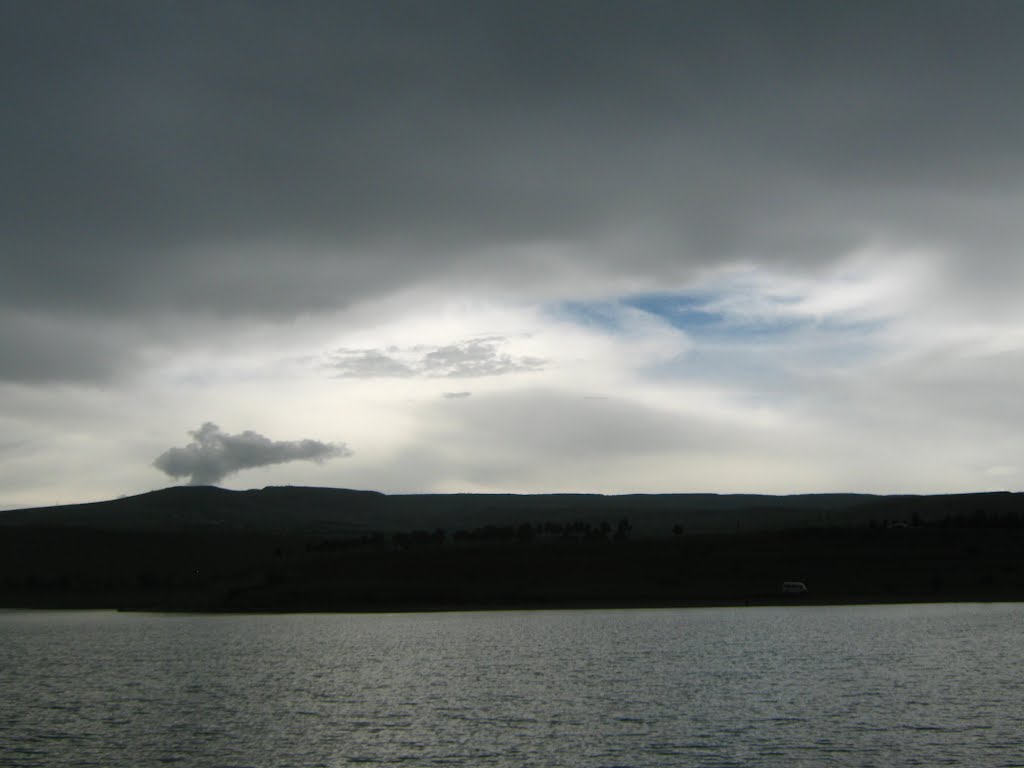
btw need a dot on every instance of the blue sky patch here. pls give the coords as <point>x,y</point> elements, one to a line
<point>684,311</point>
<point>694,313</point>
<point>604,315</point>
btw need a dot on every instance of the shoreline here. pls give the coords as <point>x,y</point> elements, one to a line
<point>407,606</point>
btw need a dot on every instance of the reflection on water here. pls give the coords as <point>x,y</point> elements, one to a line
<point>802,686</point>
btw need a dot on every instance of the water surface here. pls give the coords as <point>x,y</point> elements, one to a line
<point>795,686</point>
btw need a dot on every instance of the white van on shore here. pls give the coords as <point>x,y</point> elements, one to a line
<point>793,588</point>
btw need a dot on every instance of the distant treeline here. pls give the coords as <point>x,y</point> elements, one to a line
<point>524,533</point>
<point>979,518</point>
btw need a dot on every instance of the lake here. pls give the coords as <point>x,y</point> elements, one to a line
<point>791,686</point>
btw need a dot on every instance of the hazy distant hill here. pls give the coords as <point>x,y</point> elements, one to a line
<point>317,511</point>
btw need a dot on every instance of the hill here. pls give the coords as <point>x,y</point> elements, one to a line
<point>316,511</point>
<point>205,548</point>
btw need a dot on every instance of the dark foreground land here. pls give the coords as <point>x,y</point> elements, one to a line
<point>896,549</point>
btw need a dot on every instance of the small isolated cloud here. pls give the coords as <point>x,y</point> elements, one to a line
<point>465,359</point>
<point>455,395</point>
<point>213,454</point>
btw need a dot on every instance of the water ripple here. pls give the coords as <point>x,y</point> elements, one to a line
<point>907,685</point>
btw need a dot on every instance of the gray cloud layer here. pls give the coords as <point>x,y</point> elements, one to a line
<point>465,359</point>
<point>269,159</point>
<point>213,454</point>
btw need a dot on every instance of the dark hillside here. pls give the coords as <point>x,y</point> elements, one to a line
<point>324,549</point>
<point>319,511</point>
<point>182,508</point>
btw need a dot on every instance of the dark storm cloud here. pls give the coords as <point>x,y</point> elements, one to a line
<point>275,158</point>
<point>465,359</point>
<point>37,347</point>
<point>213,454</point>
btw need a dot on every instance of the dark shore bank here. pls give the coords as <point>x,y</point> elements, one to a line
<point>297,550</point>
<point>257,573</point>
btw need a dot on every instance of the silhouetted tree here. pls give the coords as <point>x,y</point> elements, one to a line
<point>622,530</point>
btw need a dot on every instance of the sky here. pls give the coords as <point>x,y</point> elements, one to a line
<point>513,247</point>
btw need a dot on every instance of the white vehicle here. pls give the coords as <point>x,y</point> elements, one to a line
<point>793,588</point>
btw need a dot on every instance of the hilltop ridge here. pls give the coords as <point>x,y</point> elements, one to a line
<point>295,509</point>
<point>337,511</point>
